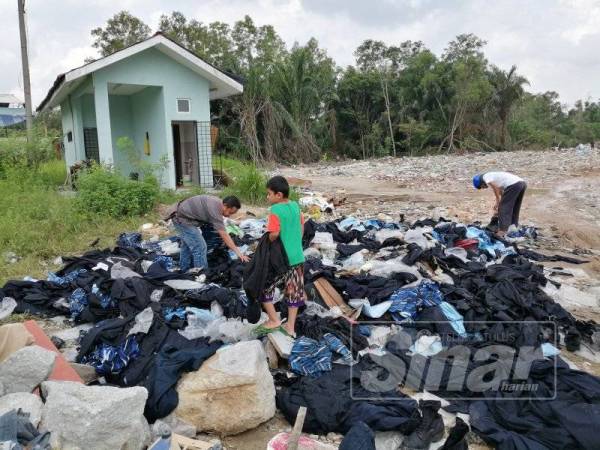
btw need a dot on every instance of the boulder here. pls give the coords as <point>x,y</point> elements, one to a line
<point>29,403</point>
<point>232,392</point>
<point>26,368</point>
<point>100,417</point>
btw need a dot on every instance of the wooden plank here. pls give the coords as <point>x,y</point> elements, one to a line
<point>297,430</point>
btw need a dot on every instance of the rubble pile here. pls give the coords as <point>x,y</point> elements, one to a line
<point>413,334</point>
<point>441,172</point>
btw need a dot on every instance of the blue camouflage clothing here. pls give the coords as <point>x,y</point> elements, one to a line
<point>109,359</point>
<point>64,281</point>
<point>407,302</point>
<point>311,357</point>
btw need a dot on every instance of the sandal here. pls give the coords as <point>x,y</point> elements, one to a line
<point>261,330</point>
<point>286,332</point>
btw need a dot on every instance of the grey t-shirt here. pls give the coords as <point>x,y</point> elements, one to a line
<point>201,208</point>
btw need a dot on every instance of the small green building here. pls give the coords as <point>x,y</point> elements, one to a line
<point>155,92</point>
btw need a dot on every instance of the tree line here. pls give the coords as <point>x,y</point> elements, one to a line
<point>298,105</point>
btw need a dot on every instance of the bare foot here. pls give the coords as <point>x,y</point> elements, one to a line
<point>289,330</point>
<point>271,324</point>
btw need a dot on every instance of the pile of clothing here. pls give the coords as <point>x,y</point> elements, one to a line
<point>455,302</point>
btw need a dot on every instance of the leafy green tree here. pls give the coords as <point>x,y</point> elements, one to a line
<point>121,31</point>
<point>358,108</point>
<point>508,89</point>
<point>376,56</point>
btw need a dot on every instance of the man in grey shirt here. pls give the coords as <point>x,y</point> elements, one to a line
<point>204,211</point>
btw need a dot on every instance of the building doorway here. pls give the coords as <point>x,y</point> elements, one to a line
<point>185,153</point>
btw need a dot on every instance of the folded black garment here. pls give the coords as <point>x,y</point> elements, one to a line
<point>535,256</point>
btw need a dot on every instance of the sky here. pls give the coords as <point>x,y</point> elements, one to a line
<point>553,43</point>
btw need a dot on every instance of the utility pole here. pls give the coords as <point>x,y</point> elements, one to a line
<point>25,64</point>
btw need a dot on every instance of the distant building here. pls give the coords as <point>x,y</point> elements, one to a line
<point>156,93</point>
<point>12,110</point>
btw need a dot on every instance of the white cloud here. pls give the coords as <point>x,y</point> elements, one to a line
<point>553,42</point>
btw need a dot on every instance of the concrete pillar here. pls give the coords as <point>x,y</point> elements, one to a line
<point>77,128</point>
<point>103,122</point>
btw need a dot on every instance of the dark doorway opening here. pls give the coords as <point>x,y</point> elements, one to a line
<point>185,153</point>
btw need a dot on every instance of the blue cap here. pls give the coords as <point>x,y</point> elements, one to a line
<point>477,179</point>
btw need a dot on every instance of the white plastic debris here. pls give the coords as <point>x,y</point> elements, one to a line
<point>7,306</point>
<point>143,322</point>
<point>417,236</point>
<point>316,200</point>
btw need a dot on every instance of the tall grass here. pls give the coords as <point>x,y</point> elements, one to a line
<point>249,182</point>
<point>39,223</point>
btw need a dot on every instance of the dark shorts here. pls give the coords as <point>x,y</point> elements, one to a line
<point>293,288</point>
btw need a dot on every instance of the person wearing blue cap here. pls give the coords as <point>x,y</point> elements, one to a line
<point>509,190</point>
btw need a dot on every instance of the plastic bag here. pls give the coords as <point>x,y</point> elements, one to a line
<point>227,330</point>
<point>322,238</point>
<point>355,261</point>
<point>459,252</point>
<point>417,236</point>
<point>143,322</point>
<point>384,234</point>
<point>7,306</point>
<point>314,309</point>
<point>386,268</point>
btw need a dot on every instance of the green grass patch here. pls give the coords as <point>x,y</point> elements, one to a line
<point>39,223</point>
<point>248,182</point>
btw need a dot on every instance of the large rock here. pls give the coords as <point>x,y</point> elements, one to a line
<point>95,417</point>
<point>232,392</point>
<point>26,368</point>
<point>29,403</point>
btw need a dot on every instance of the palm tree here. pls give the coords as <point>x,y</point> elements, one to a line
<point>300,95</point>
<point>508,88</point>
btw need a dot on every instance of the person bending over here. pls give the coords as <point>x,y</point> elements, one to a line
<point>509,190</point>
<point>197,217</point>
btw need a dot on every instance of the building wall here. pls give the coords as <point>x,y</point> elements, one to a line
<point>152,68</point>
<point>148,113</point>
<point>77,110</point>
<point>88,114</point>
<point>68,127</point>
<point>121,125</point>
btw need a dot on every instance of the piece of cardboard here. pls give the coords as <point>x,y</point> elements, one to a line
<point>333,299</point>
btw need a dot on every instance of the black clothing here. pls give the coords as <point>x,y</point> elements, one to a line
<point>510,205</point>
<point>170,363</point>
<point>360,437</point>
<point>535,256</point>
<point>331,408</point>
<point>268,263</point>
